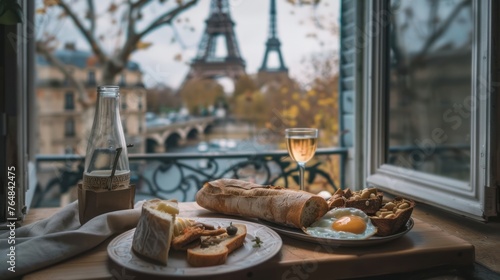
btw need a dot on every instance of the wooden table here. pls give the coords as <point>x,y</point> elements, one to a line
<point>424,247</point>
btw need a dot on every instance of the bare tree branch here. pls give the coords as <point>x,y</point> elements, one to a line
<point>131,20</point>
<point>441,29</point>
<point>166,18</point>
<point>139,3</point>
<point>91,16</point>
<point>92,41</point>
<point>83,98</point>
<point>113,63</point>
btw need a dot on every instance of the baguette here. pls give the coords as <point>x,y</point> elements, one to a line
<point>275,204</point>
<point>214,250</point>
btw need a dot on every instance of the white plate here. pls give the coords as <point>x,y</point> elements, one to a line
<point>299,234</point>
<point>120,251</point>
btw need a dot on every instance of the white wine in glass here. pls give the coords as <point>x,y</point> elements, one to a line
<point>301,144</point>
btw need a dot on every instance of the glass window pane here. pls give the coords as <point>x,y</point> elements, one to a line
<point>430,86</point>
<point>69,100</point>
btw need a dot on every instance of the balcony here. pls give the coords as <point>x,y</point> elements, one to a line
<point>180,175</point>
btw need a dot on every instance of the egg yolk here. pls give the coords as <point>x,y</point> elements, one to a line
<point>352,224</point>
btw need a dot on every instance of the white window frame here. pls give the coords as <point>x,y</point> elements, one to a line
<point>475,198</point>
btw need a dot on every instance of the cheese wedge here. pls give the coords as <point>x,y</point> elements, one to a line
<point>155,229</point>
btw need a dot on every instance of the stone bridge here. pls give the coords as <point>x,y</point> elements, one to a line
<point>160,138</point>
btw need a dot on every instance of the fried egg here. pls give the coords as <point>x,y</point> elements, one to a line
<point>343,223</point>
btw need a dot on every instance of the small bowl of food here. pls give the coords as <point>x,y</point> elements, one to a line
<point>392,216</point>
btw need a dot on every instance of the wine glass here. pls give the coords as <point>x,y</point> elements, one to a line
<point>301,144</point>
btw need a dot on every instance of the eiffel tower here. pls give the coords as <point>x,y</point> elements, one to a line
<point>207,65</point>
<point>273,44</point>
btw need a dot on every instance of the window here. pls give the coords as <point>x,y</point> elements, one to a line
<point>68,150</point>
<point>124,102</point>
<point>302,93</point>
<point>17,113</point>
<point>69,101</point>
<point>428,103</point>
<point>430,82</point>
<point>123,81</point>
<point>69,127</point>
<point>91,78</point>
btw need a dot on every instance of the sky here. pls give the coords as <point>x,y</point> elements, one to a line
<point>297,31</point>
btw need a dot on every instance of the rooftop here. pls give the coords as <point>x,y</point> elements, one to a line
<point>78,58</point>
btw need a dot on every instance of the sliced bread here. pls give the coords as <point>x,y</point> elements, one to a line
<point>214,250</point>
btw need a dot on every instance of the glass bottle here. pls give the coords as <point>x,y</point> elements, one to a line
<point>106,145</point>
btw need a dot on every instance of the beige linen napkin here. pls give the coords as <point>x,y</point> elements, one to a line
<point>60,237</point>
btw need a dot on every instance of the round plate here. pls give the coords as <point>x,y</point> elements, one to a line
<point>299,234</point>
<point>120,251</point>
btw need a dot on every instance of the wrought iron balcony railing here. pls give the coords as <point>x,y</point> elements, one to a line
<point>181,175</point>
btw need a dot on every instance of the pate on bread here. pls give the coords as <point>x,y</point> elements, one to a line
<point>213,250</point>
